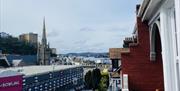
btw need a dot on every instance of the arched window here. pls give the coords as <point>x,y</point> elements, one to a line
<point>155,41</point>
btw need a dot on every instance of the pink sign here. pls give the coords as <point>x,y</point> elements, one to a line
<point>11,83</point>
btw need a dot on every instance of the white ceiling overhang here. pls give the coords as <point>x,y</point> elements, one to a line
<point>149,8</point>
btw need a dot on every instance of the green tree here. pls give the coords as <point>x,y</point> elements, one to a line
<point>96,80</point>
<point>96,77</point>
<point>12,45</point>
<point>104,83</point>
<point>88,79</point>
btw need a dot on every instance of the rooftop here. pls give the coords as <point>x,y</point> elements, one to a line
<point>115,53</point>
<point>33,70</point>
<point>28,59</point>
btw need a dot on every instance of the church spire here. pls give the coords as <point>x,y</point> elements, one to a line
<point>44,40</point>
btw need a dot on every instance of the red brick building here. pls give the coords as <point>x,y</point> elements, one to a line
<point>153,63</point>
<point>143,74</point>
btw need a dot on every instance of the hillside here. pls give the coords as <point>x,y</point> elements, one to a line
<point>12,45</point>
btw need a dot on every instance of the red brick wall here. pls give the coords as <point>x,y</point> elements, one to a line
<point>143,74</point>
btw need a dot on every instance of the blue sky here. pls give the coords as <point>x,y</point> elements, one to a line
<point>72,25</point>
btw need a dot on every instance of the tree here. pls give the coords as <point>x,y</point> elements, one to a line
<point>12,45</point>
<point>104,83</point>
<point>96,77</point>
<point>88,79</point>
<point>95,80</point>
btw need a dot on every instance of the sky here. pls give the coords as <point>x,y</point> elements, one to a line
<point>71,25</point>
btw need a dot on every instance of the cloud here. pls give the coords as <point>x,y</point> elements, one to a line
<point>97,45</point>
<point>80,42</point>
<point>72,25</point>
<point>87,29</point>
<point>53,33</point>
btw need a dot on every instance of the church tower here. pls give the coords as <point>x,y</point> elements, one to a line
<point>44,40</point>
<point>43,49</point>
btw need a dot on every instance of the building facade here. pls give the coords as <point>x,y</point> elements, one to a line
<point>63,79</point>
<point>115,82</point>
<point>42,78</point>
<point>115,56</point>
<point>31,38</point>
<point>44,51</point>
<point>10,81</point>
<point>153,62</point>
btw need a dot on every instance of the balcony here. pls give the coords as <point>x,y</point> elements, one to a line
<point>130,41</point>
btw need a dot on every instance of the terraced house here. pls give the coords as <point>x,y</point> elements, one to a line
<point>153,62</point>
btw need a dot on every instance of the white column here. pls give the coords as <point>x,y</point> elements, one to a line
<point>167,52</point>
<point>177,12</point>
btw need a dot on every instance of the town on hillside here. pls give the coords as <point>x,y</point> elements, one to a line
<point>90,45</point>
